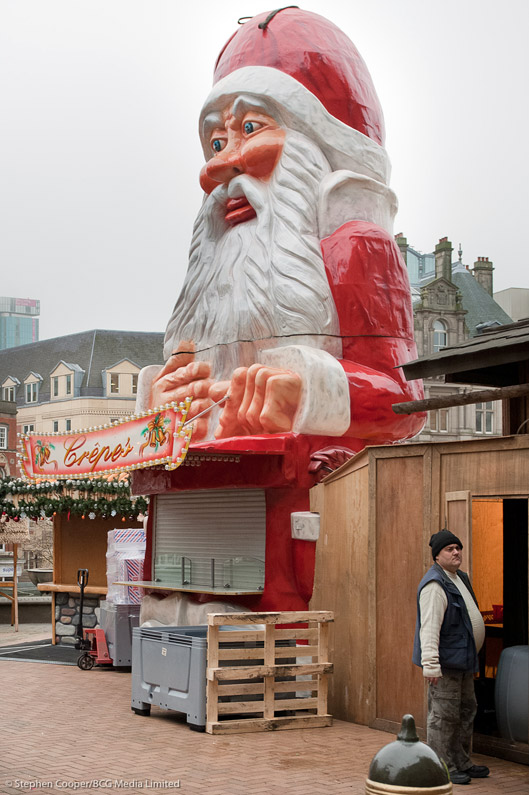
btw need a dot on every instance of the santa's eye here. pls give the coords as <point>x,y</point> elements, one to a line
<point>251,127</point>
<point>218,144</point>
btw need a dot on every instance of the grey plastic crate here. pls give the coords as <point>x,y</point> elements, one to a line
<point>512,694</point>
<point>117,622</point>
<point>169,670</point>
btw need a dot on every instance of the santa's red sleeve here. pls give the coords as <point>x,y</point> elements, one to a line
<point>371,290</point>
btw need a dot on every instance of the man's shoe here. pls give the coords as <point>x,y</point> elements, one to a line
<point>477,771</point>
<point>460,777</point>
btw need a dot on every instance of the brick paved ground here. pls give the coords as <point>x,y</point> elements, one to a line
<point>25,634</point>
<point>63,724</point>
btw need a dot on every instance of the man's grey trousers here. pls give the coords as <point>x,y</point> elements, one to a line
<point>451,711</point>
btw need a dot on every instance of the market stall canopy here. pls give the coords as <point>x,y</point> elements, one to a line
<point>493,358</point>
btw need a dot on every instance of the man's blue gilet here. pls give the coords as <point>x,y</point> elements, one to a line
<point>457,648</point>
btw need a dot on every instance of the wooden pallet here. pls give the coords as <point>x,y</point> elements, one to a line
<point>276,670</point>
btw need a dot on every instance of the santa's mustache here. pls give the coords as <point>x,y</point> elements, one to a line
<point>253,190</point>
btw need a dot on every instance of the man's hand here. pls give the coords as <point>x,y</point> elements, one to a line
<point>183,377</point>
<point>261,400</point>
<point>432,680</point>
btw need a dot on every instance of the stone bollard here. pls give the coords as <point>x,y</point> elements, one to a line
<point>407,766</point>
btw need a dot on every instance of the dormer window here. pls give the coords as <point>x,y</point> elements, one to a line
<point>8,393</point>
<point>121,379</point>
<point>32,393</point>
<point>65,380</point>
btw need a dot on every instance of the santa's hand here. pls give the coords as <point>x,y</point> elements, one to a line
<point>261,400</point>
<point>183,377</point>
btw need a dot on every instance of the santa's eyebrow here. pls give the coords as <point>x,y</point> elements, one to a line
<point>243,105</point>
<point>213,121</point>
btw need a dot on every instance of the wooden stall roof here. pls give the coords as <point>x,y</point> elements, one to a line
<point>362,459</point>
<point>490,359</point>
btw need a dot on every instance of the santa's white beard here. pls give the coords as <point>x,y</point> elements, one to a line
<point>262,283</point>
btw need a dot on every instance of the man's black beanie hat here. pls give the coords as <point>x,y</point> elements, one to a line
<point>441,540</point>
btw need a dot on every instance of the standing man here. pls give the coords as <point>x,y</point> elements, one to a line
<point>448,636</point>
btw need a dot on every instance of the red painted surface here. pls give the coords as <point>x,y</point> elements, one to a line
<point>99,648</point>
<point>317,54</point>
<point>371,290</point>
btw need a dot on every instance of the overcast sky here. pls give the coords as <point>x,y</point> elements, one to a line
<point>100,156</point>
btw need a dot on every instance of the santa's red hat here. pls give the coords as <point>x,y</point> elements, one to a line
<point>315,52</point>
<point>310,76</point>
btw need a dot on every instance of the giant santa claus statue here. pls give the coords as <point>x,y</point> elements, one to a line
<point>296,306</point>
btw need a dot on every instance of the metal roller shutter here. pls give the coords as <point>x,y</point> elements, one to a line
<point>212,538</point>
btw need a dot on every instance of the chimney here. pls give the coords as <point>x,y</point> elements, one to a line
<point>402,243</point>
<point>443,259</point>
<point>483,273</point>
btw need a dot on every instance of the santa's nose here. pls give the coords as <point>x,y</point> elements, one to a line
<point>225,165</point>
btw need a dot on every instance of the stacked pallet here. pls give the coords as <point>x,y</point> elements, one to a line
<point>258,674</point>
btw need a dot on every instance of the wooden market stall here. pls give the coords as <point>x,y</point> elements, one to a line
<point>12,534</point>
<point>79,543</point>
<point>9,589</point>
<point>378,512</point>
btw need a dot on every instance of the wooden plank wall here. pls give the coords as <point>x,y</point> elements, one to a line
<point>343,582</point>
<point>495,467</point>
<point>82,544</point>
<point>399,568</point>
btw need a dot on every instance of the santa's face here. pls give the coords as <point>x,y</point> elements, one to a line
<point>256,277</point>
<point>243,140</point>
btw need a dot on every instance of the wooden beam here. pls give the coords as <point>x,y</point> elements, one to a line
<point>61,588</point>
<point>458,399</point>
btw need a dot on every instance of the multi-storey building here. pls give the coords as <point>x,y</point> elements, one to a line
<point>8,438</point>
<point>19,321</point>
<point>515,301</point>
<point>76,381</point>
<point>451,303</point>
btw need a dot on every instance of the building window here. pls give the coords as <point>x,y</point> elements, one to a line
<point>484,417</point>
<point>32,391</point>
<point>8,392</point>
<point>68,425</point>
<point>439,421</point>
<point>68,384</point>
<point>134,383</point>
<point>114,383</point>
<point>440,336</point>
<point>55,386</point>
<point>28,428</point>
<point>55,426</point>
<point>3,437</point>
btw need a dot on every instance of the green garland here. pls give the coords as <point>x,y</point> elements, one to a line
<point>87,498</point>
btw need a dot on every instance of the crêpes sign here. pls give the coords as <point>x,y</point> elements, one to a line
<point>159,437</point>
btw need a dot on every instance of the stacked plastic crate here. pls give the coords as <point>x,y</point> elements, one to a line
<point>125,556</point>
